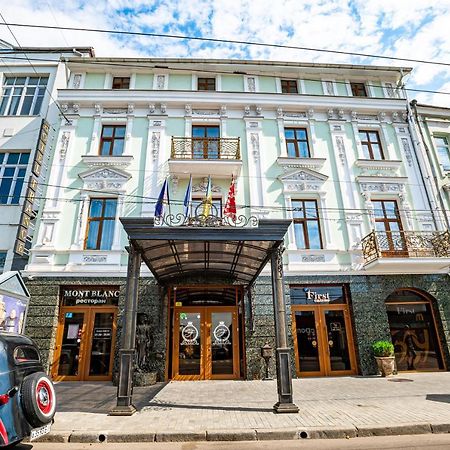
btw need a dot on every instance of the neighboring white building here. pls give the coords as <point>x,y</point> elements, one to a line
<point>29,79</point>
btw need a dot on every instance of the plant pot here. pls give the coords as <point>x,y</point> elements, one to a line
<point>386,365</point>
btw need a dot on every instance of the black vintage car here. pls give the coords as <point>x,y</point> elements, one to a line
<point>27,396</point>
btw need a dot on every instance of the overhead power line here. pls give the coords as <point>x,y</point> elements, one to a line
<point>228,41</point>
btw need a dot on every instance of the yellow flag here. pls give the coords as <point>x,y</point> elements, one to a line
<point>207,203</point>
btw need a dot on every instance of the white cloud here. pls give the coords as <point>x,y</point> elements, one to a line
<point>404,28</point>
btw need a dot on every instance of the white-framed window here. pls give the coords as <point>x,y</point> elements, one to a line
<point>13,167</point>
<point>23,96</point>
<point>101,223</point>
<point>3,254</point>
<point>443,151</point>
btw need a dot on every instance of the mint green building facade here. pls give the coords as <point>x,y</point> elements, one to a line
<point>329,147</point>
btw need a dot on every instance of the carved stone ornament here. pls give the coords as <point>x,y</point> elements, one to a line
<point>64,107</point>
<point>76,81</point>
<point>311,113</point>
<point>279,112</point>
<point>76,108</point>
<point>254,141</point>
<point>163,108</point>
<point>313,258</point>
<point>151,108</point>
<point>383,187</point>
<point>390,90</point>
<point>104,179</point>
<point>258,110</point>
<point>341,149</point>
<point>247,111</point>
<point>251,84</point>
<point>98,108</point>
<point>395,117</point>
<point>330,113</point>
<point>382,116</point>
<point>405,116</point>
<point>188,110</point>
<point>202,186</point>
<point>279,259</point>
<point>354,115</point>
<point>130,109</point>
<point>303,180</point>
<point>223,110</point>
<point>156,138</point>
<point>407,150</point>
<point>160,81</point>
<point>341,114</point>
<point>64,144</point>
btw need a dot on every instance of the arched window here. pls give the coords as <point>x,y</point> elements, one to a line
<point>413,331</point>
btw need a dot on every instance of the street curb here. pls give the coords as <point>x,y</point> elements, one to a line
<point>395,430</point>
<point>266,434</point>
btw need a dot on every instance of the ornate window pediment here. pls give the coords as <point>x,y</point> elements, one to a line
<point>105,178</point>
<point>302,180</point>
<point>377,184</point>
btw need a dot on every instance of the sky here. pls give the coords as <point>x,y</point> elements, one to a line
<point>417,29</point>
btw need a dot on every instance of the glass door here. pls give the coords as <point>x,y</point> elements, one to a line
<point>205,343</point>
<point>68,364</point>
<point>306,327</point>
<point>323,341</point>
<point>223,345</point>
<point>188,344</point>
<point>85,344</point>
<point>102,345</point>
<point>337,342</point>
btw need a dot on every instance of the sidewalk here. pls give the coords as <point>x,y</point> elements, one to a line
<point>242,410</point>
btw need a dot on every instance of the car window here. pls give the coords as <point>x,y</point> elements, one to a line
<point>25,354</point>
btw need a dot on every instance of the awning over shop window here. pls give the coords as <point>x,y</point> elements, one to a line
<point>238,253</point>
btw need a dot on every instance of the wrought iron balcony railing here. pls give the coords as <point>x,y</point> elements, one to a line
<point>406,244</point>
<point>205,148</point>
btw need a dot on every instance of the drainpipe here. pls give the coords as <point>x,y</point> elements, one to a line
<point>415,118</point>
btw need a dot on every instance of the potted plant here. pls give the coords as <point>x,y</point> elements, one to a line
<point>384,355</point>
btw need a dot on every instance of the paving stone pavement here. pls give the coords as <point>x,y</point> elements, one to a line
<point>345,402</point>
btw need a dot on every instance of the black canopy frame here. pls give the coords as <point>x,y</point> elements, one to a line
<point>174,252</point>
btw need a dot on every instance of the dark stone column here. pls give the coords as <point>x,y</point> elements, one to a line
<point>285,402</point>
<point>124,405</point>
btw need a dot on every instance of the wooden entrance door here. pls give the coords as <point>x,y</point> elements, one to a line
<point>205,343</point>
<point>323,340</point>
<point>85,344</point>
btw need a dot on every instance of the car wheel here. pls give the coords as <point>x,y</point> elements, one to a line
<point>38,399</point>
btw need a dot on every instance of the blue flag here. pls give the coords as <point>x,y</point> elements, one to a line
<point>188,199</point>
<point>159,207</point>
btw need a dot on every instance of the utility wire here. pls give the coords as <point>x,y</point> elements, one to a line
<point>221,72</point>
<point>228,41</point>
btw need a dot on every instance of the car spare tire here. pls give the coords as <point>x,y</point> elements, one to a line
<point>38,399</point>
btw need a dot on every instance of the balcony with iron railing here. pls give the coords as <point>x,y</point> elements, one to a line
<point>201,156</point>
<point>407,251</point>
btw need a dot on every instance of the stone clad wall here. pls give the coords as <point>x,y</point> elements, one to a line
<point>43,313</point>
<point>367,311</point>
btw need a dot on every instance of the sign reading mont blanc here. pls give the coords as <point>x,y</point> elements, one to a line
<point>89,295</point>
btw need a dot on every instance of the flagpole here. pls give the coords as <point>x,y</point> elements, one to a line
<point>168,198</point>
